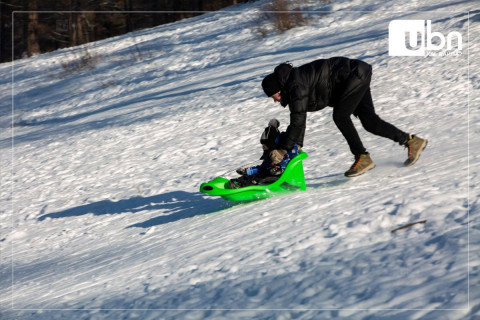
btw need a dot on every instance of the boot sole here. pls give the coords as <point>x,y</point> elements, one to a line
<point>411,162</point>
<point>356,174</point>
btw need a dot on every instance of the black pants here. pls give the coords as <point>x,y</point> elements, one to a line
<point>245,181</point>
<point>356,99</point>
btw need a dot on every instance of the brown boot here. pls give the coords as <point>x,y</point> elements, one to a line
<point>415,147</point>
<point>362,164</point>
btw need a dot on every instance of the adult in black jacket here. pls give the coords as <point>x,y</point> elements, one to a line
<point>343,84</point>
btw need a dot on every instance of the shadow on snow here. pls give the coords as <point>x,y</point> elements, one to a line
<point>175,206</point>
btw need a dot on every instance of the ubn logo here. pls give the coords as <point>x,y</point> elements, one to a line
<point>411,38</point>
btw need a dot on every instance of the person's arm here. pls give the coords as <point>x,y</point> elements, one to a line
<point>296,129</point>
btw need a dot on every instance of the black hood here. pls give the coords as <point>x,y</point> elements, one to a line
<point>282,71</point>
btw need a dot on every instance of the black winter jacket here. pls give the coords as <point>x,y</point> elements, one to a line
<point>314,86</point>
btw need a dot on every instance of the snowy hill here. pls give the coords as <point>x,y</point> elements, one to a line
<point>100,212</point>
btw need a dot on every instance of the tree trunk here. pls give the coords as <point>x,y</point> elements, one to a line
<point>32,29</point>
<point>3,33</point>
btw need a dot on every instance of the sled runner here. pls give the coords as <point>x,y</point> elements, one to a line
<point>292,179</point>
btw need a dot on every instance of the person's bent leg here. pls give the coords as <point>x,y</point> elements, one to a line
<point>374,124</point>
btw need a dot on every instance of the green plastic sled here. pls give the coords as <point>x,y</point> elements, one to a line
<point>292,179</point>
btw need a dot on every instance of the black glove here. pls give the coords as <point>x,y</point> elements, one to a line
<point>242,171</point>
<point>276,171</point>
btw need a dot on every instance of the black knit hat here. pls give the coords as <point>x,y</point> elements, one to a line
<point>270,134</point>
<point>271,85</point>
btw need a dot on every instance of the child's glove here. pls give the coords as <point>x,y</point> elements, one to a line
<point>242,171</point>
<point>276,156</point>
<point>276,171</point>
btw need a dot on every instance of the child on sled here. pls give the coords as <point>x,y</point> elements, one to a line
<point>265,173</point>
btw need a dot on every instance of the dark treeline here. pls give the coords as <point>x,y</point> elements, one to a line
<point>39,26</point>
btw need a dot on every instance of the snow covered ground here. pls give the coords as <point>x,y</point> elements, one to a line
<point>100,214</point>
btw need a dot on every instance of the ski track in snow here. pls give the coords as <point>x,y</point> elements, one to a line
<point>100,212</point>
